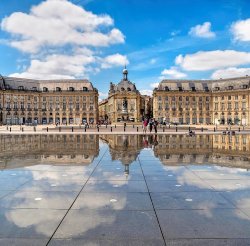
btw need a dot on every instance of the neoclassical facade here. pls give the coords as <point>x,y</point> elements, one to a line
<point>223,101</point>
<point>124,102</point>
<point>47,101</point>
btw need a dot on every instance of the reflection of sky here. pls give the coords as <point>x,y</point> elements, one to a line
<point>49,185</point>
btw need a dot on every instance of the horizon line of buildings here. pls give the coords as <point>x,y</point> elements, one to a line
<point>74,101</point>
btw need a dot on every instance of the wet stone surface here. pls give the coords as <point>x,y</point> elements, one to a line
<point>124,190</point>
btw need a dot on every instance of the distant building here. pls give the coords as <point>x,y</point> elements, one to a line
<point>124,102</point>
<point>47,101</point>
<point>223,101</point>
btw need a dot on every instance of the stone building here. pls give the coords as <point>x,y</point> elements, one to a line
<point>223,101</point>
<point>103,110</point>
<point>47,101</point>
<point>124,102</point>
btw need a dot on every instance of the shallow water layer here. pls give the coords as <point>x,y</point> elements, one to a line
<point>124,190</point>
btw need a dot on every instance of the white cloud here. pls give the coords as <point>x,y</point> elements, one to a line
<point>241,30</point>
<point>154,85</point>
<point>58,67</point>
<point>146,92</point>
<point>63,40</point>
<point>172,73</point>
<point>230,73</point>
<point>209,60</point>
<point>202,31</point>
<point>114,60</point>
<point>57,23</point>
<point>102,95</point>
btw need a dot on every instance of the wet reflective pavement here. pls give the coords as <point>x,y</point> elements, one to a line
<point>124,190</point>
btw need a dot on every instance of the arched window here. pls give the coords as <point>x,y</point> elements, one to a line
<point>71,88</point>
<point>34,88</point>
<point>45,89</point>
<point>129,89</point>
<point>58,89</point>
<point>85,89</point>
<point>20,88</point>
<point>166,88</point>
<point>122,89</point>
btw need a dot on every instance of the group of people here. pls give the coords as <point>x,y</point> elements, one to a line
<point>149,124</point>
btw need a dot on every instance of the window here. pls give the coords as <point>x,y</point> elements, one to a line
<point>45,89</point>
<point>71,89</point>
<point>159,98</point>
<point>229,97</point>
<point>236,105</point>
<point>236,97</point>
<point>166,88</point>
<point>58,89</point>
<point>216,106</point>
<point>244,97</point>
<point>230,87</point>
<point>245,86</point>
<point>180,88</point>
<point>34,89</point>
<point>217,88</point>
<point>243,105</point>
<point>20,88</point>
<point>85,89</point>
<point>206,89</point>
<point>193,88</point>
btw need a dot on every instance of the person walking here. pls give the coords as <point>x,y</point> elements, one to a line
<point>145,124</point>
<point>150,125</point>
<point>155,124</point>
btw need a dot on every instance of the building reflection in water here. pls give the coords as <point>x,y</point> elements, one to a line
<point>124,148</point>
<point>232,151</point>
<point>182,149</point>
<point>47,149</point>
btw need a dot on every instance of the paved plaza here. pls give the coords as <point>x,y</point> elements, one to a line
<point>111,203</point>
<point>119,128</point>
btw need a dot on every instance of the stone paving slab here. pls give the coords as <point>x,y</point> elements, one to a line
<point>208,223</point>
<point>114,201</point>
<point>29,223</point>
<point>103,242</point>
<point>107,224</point>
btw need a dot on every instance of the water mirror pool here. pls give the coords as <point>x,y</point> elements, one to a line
<point>124,190</point>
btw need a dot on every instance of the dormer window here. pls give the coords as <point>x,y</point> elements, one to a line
<point>129,89</point>
<point>58,89</point>
<point>71,88</point>
<point>166,88</point>
<point>20,88</point>
<point>34,88</point>
<point>85,89</point>
<point>217,88</point>
<point>206,88</point>
<point>193,88</point>
<point>7,87</point>
<point>245,86</point>
<point>230,87</point>
<point>180,88</point>
<point>45,89</point>
<point>122,89</point>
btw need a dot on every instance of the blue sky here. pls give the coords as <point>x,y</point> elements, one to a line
<point>181,39</point>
